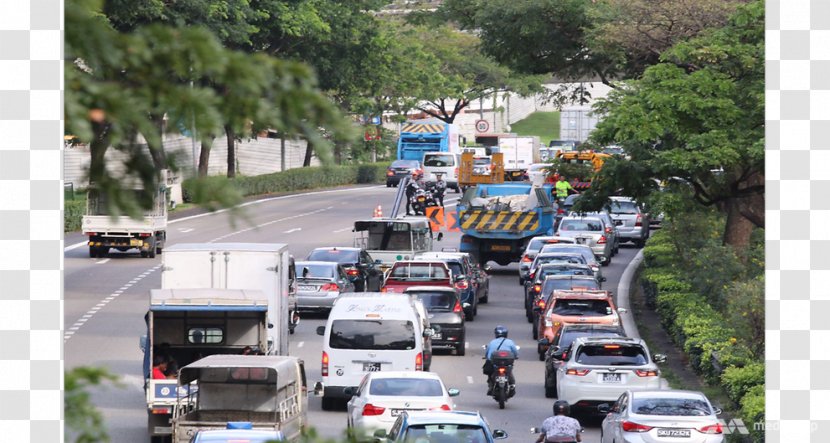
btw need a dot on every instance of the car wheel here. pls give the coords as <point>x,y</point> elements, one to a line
<point>152,251</point>
<point>607,261</point>
<point>521,281</point>
<point>550,389</point>
<point>475,308</point>
<point>468,315</point>
<point>486,296</point>
<point>328,403</point>
<point>460,348</point>
<point>535,330</point>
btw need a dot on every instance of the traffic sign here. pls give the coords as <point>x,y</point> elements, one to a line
<point>482,126</point>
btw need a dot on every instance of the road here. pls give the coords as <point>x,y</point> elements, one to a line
<point>105,301</point>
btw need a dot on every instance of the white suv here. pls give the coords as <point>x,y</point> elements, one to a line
<point>444,162</point>
<point>599,369</point>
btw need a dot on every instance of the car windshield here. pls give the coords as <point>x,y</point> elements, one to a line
<point>372,334</point>
<point>435,160</point>
<point>581,225</point>
<point>556,284</point>
<point>334,255</point>
<point>419,271</point>
<point>611,355</point>
<point>695,407</point>
<point>583,308</point>
<point>404,164</point>
<point>624,207</point>
<point>437,301</point>
<point>309,270</point>
<point>445,433</point>
<point>419,387</point>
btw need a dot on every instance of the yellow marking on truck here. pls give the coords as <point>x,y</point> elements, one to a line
<point>509,225</point>
<point>471,217</point>
<point>423,128</point>
<point>535,225</point>
<point>527,219</point>
<point>498,220</point>
<point>483,220</point>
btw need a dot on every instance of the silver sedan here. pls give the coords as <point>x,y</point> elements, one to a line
<point>319,283</point>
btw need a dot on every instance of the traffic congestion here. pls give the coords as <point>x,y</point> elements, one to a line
<point>400,329</point>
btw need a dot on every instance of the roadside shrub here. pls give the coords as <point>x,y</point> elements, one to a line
<point>752,411</point>
<point>745,312</point>
<point>73,210</point>
<point>738,381</point>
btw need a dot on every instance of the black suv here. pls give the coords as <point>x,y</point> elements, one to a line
<point>361,269</point>
<point>561,344</point>
<point>443,305</point>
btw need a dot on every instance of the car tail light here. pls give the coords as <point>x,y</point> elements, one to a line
<point>324,370</point>
<point>352,272</point>
<point>389,173</point>
<point>579,372</point>
<point>643,373</point>
<point>383,289</point>
<point>630,426</point>
<point>463,284</point>
<point>144,234</point>
<point>537,288</point>
<point>602,240</point>
<point>90,233</point>
<point>419,361</point>
<point>442,408</point>
<point>502,370</point>
<point>716,428</point>
<point>330,287</point>
<point>541,304</point>
<point>457,308</point>
<point>526,259</point>
<point>611,347</point>
<point>370,409</point>
<point>639,221</point>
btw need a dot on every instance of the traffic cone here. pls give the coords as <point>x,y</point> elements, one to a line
<point>378,213</point>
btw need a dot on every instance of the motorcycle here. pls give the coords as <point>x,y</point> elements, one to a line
<point>498,382</point>
<point>422,200</point>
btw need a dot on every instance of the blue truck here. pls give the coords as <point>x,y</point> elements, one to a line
<point>498,220</point>
<point>430,135</point>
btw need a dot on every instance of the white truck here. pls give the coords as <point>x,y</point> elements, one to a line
<point>148,234</point>
<point>388,240</point>
<point>577,123</point>
<point>519,153</point>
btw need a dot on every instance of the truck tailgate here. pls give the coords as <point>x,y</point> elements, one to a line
<point>103,224</point>
<point>400,285</point>
<point>495,221</point>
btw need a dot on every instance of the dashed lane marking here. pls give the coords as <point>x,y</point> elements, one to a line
<point>292,230</point>
<point>470,379</point>
<point>103,303</point>
<point>343,230</point>
<point>101,262</point>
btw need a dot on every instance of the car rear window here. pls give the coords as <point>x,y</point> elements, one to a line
<point>563,258</point>
<point>455,268</point>
<point>372,334</point>
<point>584,250</point>
<point>437,160</point>
<point>306,270</point>
<point>481,161</point>
<point>624,207</point>
<point>437,301</point>
<point>585,308</point>
<point>581,225</point>
<point>611,355</point>
<point>405,164</point>
<point>555,284</point>
<point>564,270</point>
<point>419,270</point>
<point>445,432</point>
<point>334,255</point>
<point>419,387</point>
<point>695,407</point>
<point>568,337</point>
<point>537,244</point>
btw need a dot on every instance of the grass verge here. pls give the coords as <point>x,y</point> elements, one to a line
<point>545,125</point>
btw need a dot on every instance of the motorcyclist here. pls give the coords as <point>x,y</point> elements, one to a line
<point>500,342</point>
<point>411,188</point>
<point>560,428</point>
<point>440,188</point>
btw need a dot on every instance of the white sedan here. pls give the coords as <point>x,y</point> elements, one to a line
<point>382,396</point>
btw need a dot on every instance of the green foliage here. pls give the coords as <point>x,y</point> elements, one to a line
<point>544,125</point>
<point>745,312</point>
<point>738,380</point>
<point>752,410</point>
<point>83,421</point>
<point>73,210</point>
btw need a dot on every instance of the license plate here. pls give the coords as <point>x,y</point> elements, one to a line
<point>611,378</point>
<point>420,199</point>
<point>619,222</point>
<point>397,412</point>
<point>580,240</point>
<point>371,367</point>
<point>501,379</point>
<point>517,173</point>
<point>437,336</point>
<point>674,433</point>
<point>505,248</point>
<point>306,288</point>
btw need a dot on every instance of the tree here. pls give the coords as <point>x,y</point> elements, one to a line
<point>698,116</point>
<point>83,420</point>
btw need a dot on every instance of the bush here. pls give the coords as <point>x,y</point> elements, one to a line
<point>745,312</point>
<point>752,411</point>
<point>738,381</point>
<point>73,210</point>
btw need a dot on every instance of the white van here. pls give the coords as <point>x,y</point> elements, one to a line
<point>368,332</point>
<point>444,162</point>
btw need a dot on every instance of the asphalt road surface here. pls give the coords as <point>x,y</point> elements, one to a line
<point>105,301</point>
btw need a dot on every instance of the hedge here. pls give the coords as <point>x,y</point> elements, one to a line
<point>752,410</point>
<point>299,179</point>
<point>73,210</point>
<point>738,381</point>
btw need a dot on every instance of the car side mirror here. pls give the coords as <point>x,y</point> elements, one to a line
<point>321,330</point>
<point>499,434</point>
<point>659,358</point>
<point>622,310</point>
<point>428,332</point>
<point>604,408</point>
<point>717,411</point>
<point>440,236</point>
<point>453,392</point>
<point>465,305</point>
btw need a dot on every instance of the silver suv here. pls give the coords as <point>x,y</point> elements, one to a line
<point>589,231</point>
<point>632,223</point>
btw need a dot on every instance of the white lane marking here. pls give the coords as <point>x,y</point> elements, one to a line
<point>292,230</point>
<point>185,230</point>
<point>470,379</point>
<point>101,262</point>
<point>343,230</point>
<point>305,214</point>
<point>466,345</point>
<point>103,303</point>
<point>300,344</point>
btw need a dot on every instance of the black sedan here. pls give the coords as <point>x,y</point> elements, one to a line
<point>400,169</point>
<point>364,272</point>
<point>443,305</point>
